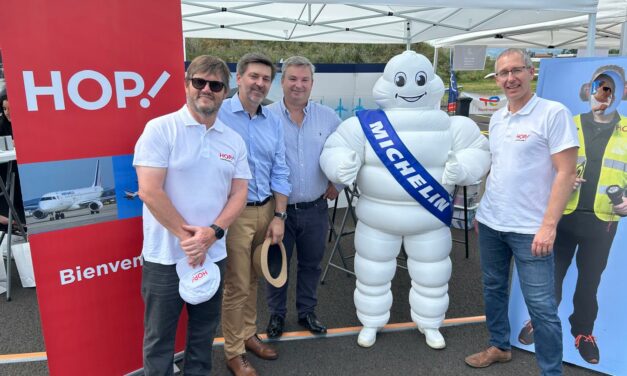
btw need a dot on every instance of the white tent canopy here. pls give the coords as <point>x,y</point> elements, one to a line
<point>566,33</point>
<point>368,21</point>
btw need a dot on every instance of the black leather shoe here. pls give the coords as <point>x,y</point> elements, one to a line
<point>312,323</point>
<point>275,326</point>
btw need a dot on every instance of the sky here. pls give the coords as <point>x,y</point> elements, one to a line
<point>40,178</point>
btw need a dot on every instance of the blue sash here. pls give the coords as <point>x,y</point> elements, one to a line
<point>407,171</point>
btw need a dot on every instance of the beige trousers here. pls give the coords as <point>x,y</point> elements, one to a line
<point>239,306</point>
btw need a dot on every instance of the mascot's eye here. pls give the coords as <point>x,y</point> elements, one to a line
<point>400,79</point>
<point>421,78</point>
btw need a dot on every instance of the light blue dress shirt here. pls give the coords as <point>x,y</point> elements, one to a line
<point>303,147</point>
<point>263,135</point>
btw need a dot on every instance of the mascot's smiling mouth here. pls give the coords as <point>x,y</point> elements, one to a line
<point>411,99</point>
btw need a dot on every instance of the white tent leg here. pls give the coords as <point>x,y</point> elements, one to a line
<point>408,36</point>
<point>623,39</point>
<point>435,60</point>
<point>592,27</point>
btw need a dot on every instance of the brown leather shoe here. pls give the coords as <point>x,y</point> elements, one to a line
<point>262,350</point>
<point>239,366</point>
<point>488,356</point>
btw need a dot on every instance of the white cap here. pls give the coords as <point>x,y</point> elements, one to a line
<point>197,284</point>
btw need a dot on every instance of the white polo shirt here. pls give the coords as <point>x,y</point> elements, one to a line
<point>201,165</point>
<point>521,176</point>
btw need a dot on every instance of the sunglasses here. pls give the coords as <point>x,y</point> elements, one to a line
<point>199,84</point>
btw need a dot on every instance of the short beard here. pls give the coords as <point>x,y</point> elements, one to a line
<point>207,112</point>
<point>204,112</point>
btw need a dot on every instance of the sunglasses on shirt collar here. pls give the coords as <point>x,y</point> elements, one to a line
<point>199,84</point>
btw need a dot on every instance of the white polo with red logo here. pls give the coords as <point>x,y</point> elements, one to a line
<point>201,165</point>
<point>521,176</point>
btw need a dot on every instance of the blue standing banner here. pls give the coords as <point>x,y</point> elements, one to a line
<point>453,93</point>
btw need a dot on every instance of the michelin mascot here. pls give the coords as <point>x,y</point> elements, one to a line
<point>406,159</point>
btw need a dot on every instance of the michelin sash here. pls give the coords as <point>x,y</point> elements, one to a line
<point>403,166</point>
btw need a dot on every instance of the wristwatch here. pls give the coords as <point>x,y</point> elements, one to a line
<point>219,231</point>
<point>282,215</point>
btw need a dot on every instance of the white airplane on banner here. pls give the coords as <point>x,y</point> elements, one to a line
<point>53,204</point>
<point>130,195</point>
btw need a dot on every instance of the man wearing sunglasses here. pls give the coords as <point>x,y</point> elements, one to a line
<point>192,173</point>
<point>533,142</point>
<point>265,212</point>
<point>587,229</point>
<point>307,125</point>
<point>601,95</point>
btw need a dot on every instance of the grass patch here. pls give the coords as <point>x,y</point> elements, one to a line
<point>486,87</point>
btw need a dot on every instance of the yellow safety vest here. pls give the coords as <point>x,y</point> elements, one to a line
<point>613,170</point>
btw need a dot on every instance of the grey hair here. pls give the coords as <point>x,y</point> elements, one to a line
<point>298,61</point>
<point>515,51</point>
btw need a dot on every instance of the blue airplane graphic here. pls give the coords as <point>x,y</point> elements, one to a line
<point>359,107</point>
<point>339,109</point>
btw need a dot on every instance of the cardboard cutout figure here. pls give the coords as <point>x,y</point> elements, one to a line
<point>586,231</point>
<point>451,150</point>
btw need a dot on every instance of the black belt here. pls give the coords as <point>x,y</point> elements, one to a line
<point>259,203</point>
<point>306,205</point>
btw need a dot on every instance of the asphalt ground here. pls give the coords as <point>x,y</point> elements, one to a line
<point>400,349</point>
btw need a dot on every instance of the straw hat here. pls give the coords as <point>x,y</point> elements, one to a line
<point>270,261</point>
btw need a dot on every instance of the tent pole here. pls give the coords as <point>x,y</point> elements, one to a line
<point>450,58</point>
<point>623,39</point>
<point>408,36</point>
<point>184,50</point>
<point>592,28</point>
<point>435,60</point>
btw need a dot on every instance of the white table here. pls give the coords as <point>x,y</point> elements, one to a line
<point>7,156</point>
<point>6,191</point>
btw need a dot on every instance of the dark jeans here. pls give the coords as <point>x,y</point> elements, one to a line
<point>307,229</point>
<point>592,238</point>
<point>536,283</point>
<point>163,306</point>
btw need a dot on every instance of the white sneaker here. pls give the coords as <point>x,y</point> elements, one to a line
<point>434,338</point>
<point>367,337</point>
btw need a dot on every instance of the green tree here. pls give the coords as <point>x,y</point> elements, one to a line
<point>340,53</point>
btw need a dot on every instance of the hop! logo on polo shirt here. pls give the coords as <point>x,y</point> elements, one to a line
<point>227,157</point>
<point>199,276</point>
<point>522,137</point>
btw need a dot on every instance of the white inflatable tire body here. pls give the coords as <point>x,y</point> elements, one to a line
<point>375,266</point>
<point>430,268</point>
